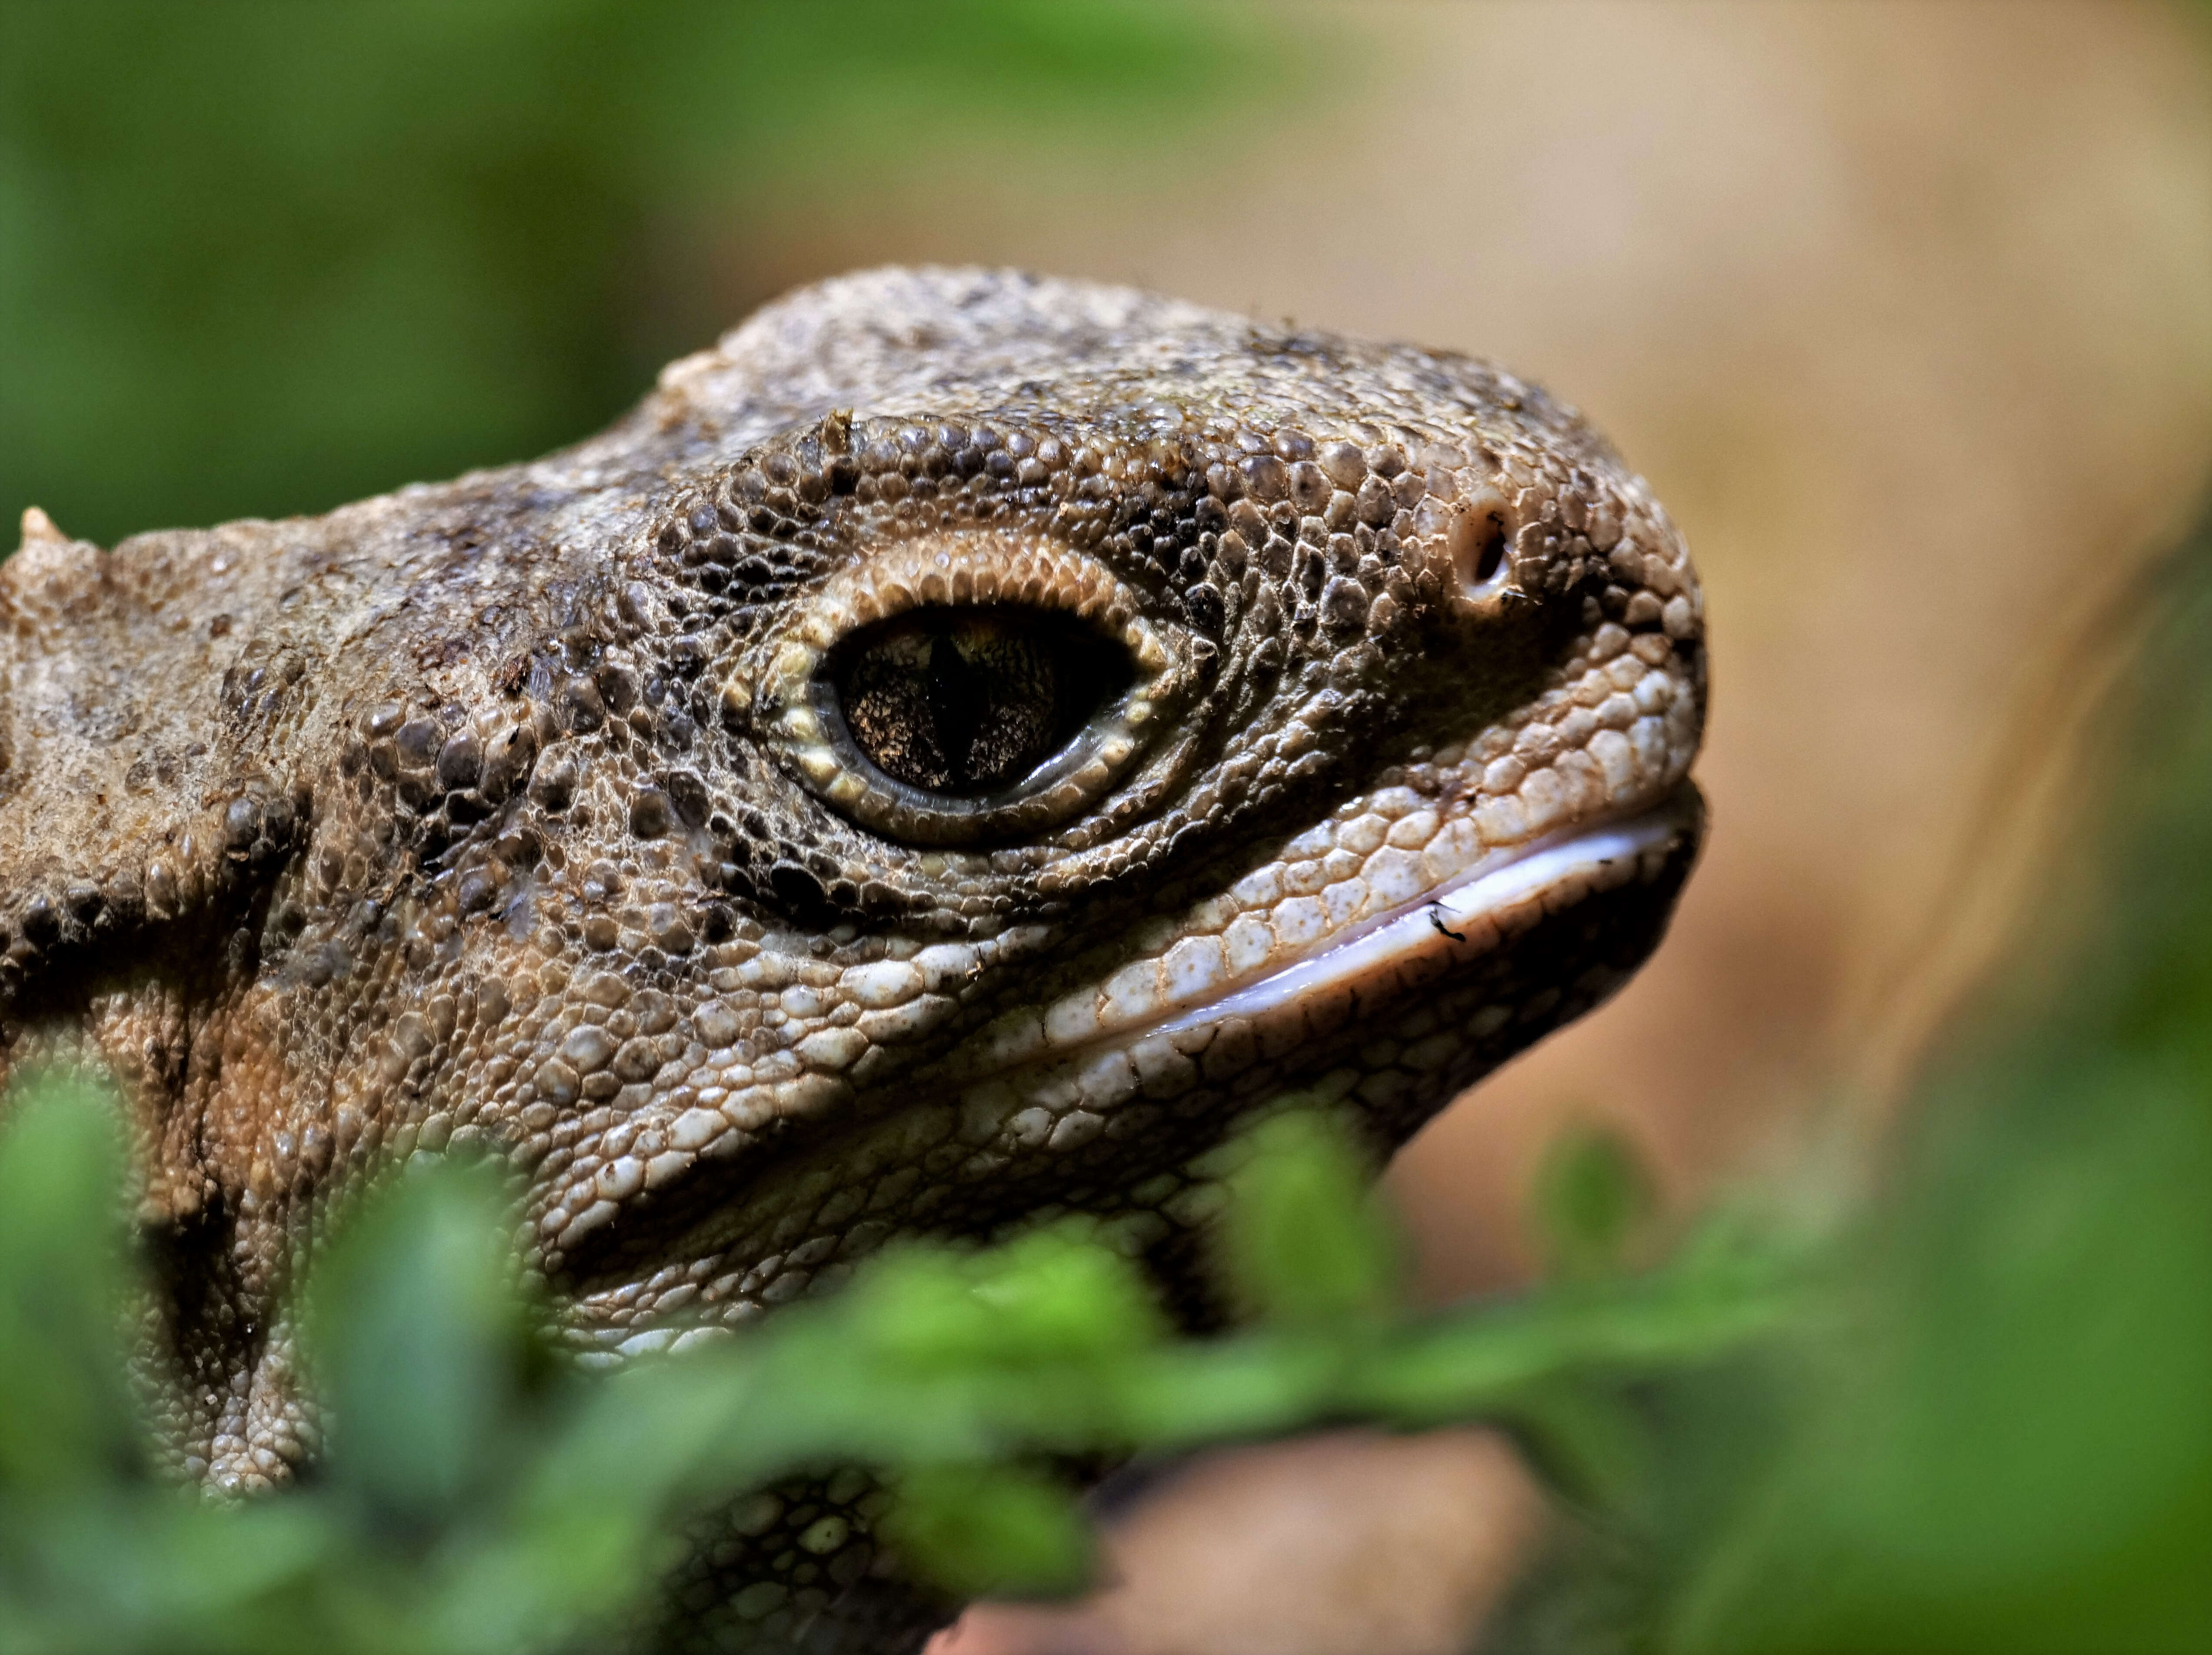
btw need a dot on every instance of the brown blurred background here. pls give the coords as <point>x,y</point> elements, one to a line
<point>1907,312</point>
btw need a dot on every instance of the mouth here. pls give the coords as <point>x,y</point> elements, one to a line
<point>1396,1014</point>
<point>1018,1095</point>
<point>1472,914</point>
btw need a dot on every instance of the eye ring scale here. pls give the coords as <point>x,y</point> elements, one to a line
<point>848,692</point>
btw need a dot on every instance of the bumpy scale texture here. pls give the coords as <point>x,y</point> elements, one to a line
<point>522,810</point>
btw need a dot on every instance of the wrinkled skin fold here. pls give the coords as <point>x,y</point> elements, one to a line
<point>955,748</point>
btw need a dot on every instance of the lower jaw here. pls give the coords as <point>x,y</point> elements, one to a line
<point>1392,1024</point>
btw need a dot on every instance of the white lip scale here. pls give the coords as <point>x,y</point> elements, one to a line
<point>1445,913</point>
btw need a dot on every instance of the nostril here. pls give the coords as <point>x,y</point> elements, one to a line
<point>1478,545</point>
<point>1490,552</point>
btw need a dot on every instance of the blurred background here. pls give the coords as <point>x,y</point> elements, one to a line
<point>1904,310</point>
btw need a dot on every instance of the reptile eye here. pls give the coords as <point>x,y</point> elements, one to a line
<point>970,702</point>
<point>967,689</point>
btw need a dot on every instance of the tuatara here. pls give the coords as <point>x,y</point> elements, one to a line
<point>958,745</point>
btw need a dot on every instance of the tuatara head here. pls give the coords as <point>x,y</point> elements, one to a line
<point>955,748</point>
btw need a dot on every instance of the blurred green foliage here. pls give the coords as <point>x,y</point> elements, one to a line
<point>2011,1448</point>
<point>478,1493</point>
<point>1996,1432</point>
<point>259,258</point>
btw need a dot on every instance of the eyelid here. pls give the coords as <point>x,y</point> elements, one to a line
<point>784,685</point>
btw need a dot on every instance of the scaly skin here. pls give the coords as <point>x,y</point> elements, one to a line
<point>525,810</point>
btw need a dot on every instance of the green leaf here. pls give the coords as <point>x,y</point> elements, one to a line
<point>916,1307</point>
<point>1595,1202</point>
<point>1056,1296</point>
<point>978,1529</point>
<point>1051,1296</point>
<point>1582,1439</point>
<point>1304,1240</point>
<point>420,1338</point>
<point>65,1411</point>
